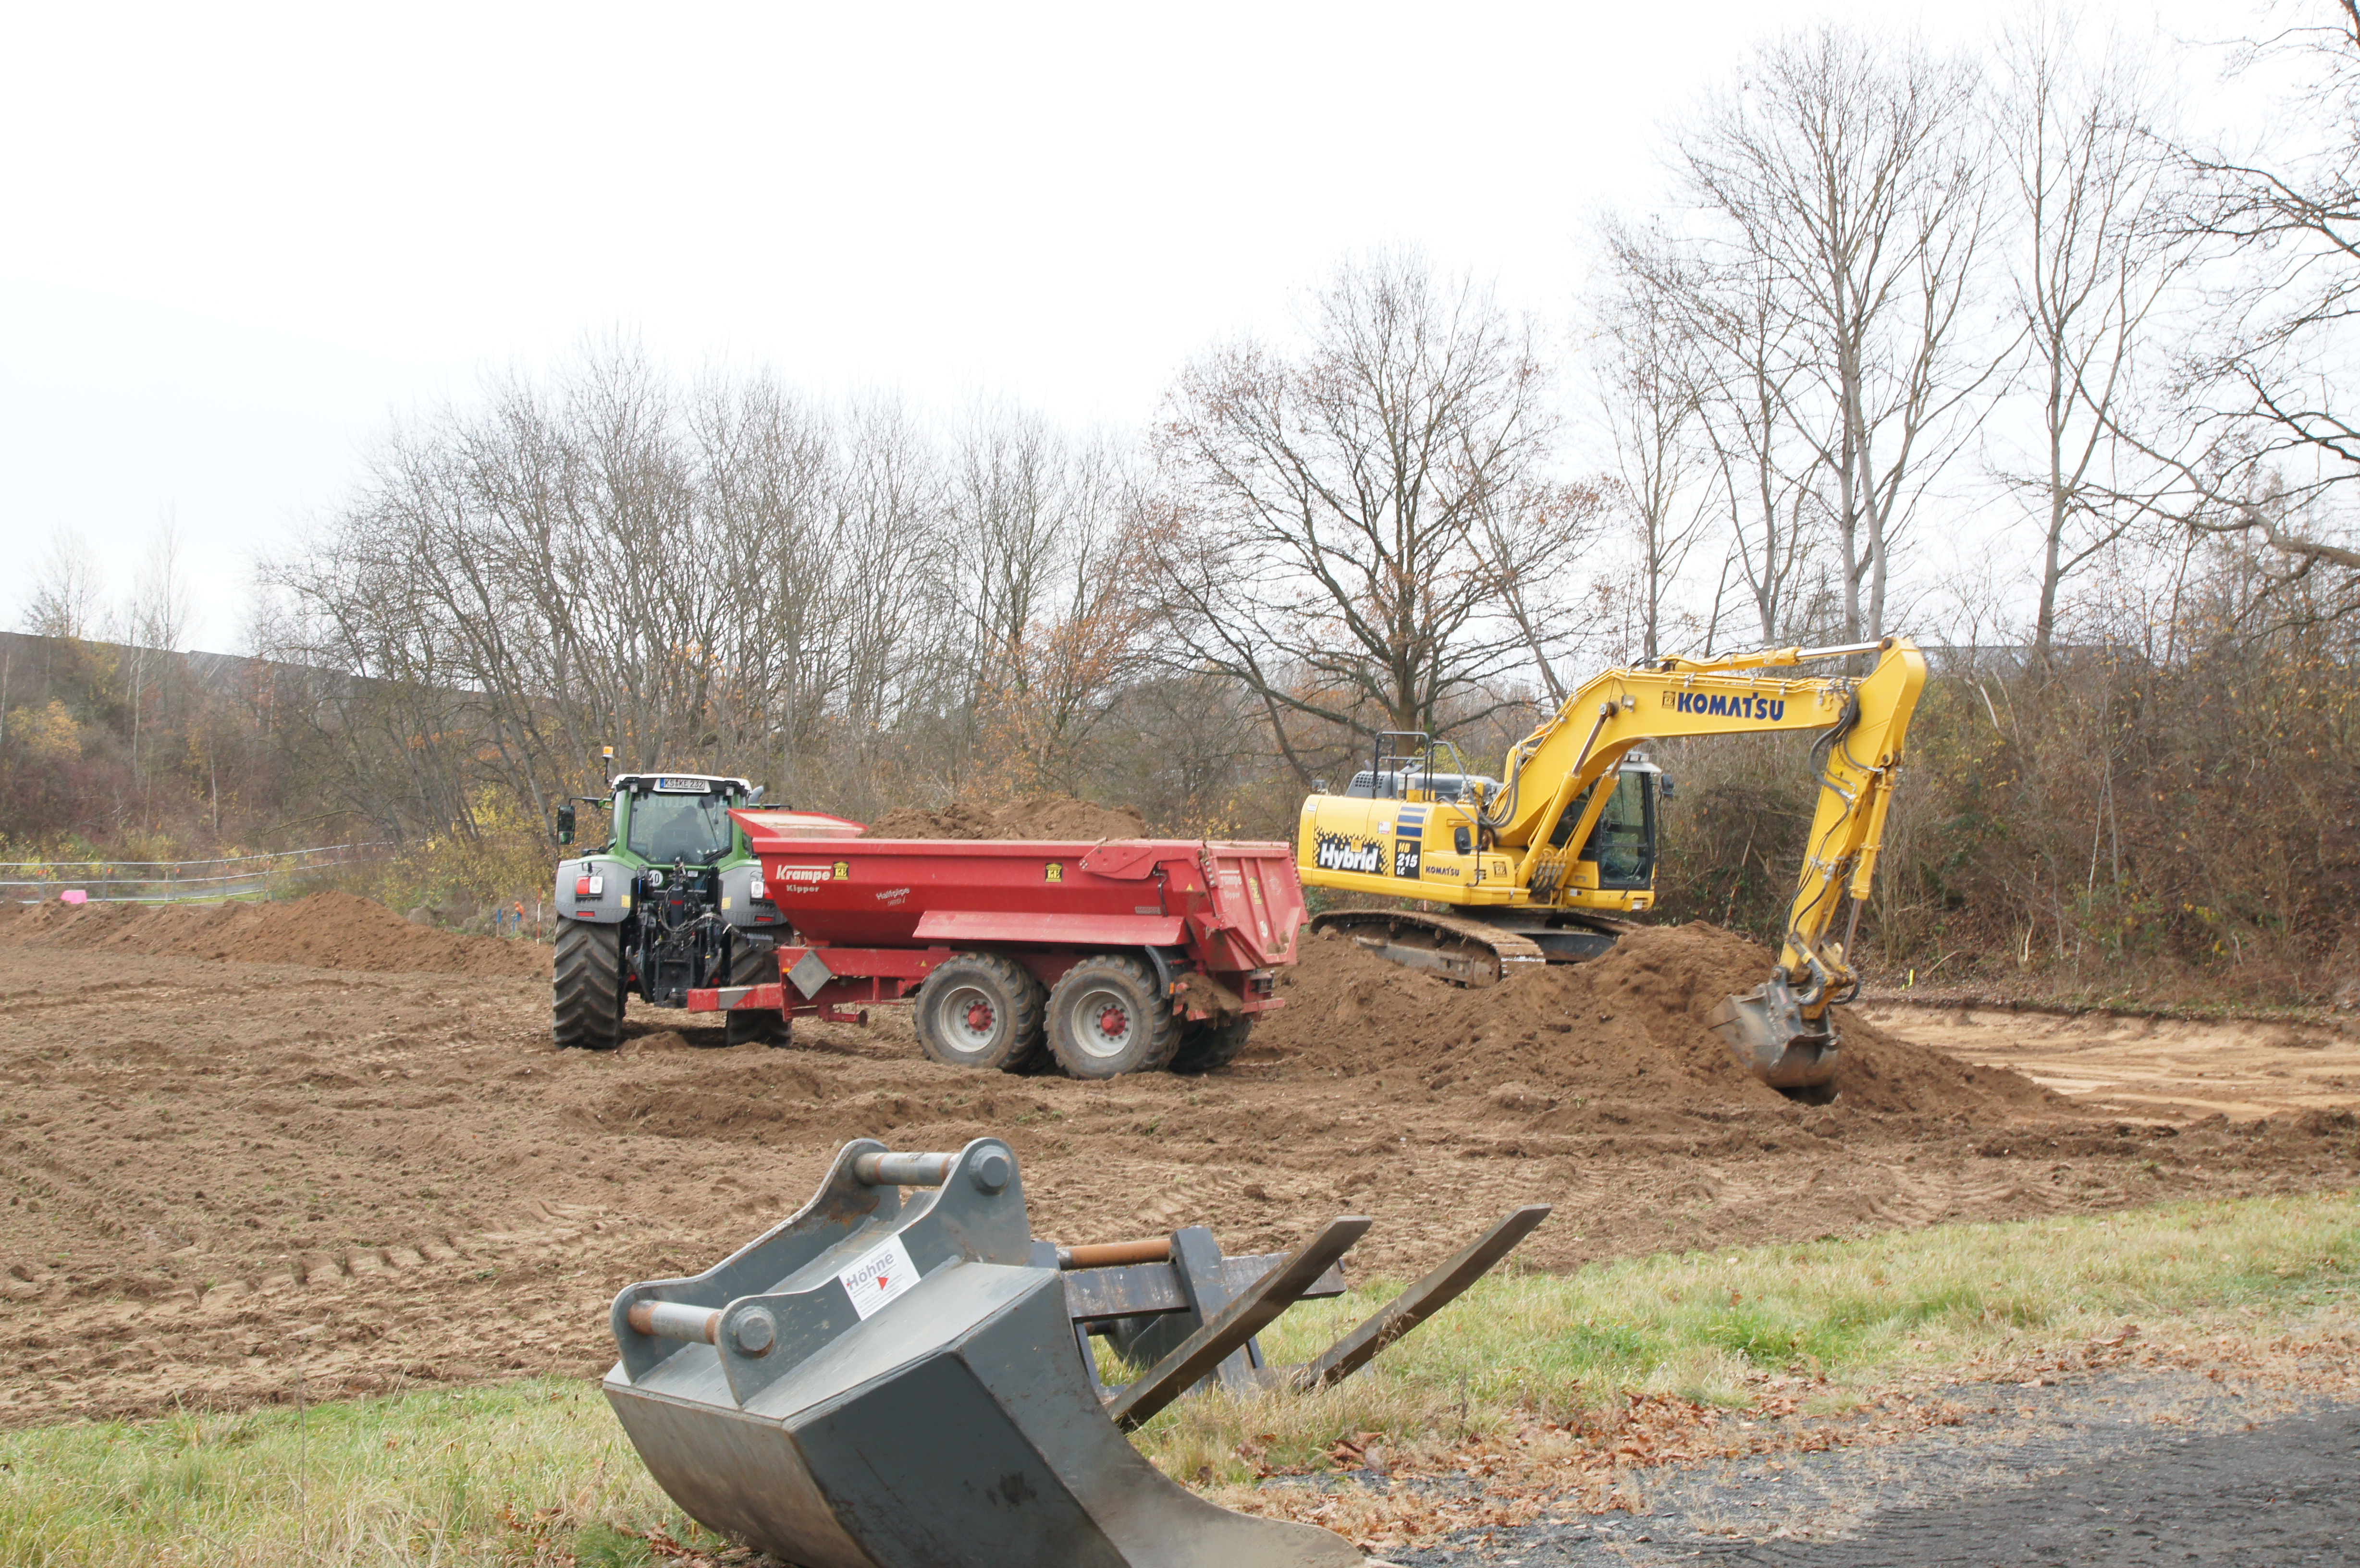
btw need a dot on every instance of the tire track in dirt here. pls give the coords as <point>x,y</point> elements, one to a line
<point>215,1174</point>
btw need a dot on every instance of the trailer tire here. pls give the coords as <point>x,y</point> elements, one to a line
<point>1203,1047</point>
<point>755,964</point>
<point>1105,987</point>
<point>980,1009</point>
<point>586,987</point>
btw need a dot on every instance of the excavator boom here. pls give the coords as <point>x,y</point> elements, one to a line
<point>1550,857</point>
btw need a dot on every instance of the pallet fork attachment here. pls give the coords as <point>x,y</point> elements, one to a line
<point>882,1384</point>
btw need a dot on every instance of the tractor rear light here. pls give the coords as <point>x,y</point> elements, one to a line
<point>756,889</point>
<point>589,887</point>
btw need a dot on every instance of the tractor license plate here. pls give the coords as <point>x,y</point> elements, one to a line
<point>681,786</point>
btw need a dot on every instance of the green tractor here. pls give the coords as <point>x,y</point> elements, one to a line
<point>673,901</point>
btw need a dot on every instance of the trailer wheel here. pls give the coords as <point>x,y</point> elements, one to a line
<point>980,1011</point>
<point>1108,1015</point>
<point>586,987</point>
<point>755,964</point>
<point>1203,1047</point>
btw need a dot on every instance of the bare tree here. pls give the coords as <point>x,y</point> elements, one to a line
<point>1009,510</point>
<point>2089,264</point>
<point>1744,352</point>
<point>1328,539</point>
<point>1845,178</point>
<point>159,620</point>
<point>2262,444</point>
<point>1650,393</point>
<point>67,589</point>
<point>1524,540</point>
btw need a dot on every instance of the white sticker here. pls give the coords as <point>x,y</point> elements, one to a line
<point>880,1275</point>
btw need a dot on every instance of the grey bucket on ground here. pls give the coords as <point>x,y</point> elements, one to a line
<point>876,1384</point>
<point>958,1426</point>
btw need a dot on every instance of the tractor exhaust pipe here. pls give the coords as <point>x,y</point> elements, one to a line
<point>1767,1031</point>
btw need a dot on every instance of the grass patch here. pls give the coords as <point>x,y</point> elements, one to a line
<point>1707,1326</point>
<point>534,1472</point>
<point>539,1472</point>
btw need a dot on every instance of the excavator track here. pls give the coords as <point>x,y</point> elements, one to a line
<point>1472,952</point>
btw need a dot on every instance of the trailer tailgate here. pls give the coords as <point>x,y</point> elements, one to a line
<point>1257,898</point>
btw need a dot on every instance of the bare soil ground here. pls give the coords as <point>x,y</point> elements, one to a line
<point>368,1153</point>
<point>2111,1064</point>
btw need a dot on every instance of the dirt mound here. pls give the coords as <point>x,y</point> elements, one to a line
<point>325,931</point>
<point>1628,1027</point>
<point>1038,816</point>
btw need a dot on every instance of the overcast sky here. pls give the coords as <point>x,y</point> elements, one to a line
<point>239,242</point>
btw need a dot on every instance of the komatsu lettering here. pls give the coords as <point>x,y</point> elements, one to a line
<point>1721,706</point>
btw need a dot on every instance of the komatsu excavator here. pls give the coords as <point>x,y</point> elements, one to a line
<point>1542,864</point>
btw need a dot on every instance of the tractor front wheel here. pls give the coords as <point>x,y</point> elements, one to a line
<point>1108,1017</point>
<point>586,987</point>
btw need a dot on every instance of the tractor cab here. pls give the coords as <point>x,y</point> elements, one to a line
<point>669,819</point>
<point>663,819</point>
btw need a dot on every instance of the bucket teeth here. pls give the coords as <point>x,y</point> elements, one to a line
<point>1766,1031</point>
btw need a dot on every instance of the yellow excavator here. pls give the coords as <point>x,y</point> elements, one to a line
<point>1543,864</point>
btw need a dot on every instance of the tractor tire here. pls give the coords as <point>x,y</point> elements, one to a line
<point>1108,1017</point>
<point>980,1009</point>
<point>1203,1047</point>
<point>586,987</point>
<point>755,964</point>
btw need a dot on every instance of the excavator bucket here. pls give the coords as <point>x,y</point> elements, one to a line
<point>1767,1031</point>
<point>880,1385</point>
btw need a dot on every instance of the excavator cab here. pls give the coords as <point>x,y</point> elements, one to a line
<point>1621,843</point>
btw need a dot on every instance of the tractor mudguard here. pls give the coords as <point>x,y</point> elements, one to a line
<point>740,904</point>
<point>595,889</point>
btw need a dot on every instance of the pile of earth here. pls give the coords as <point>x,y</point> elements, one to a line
<point>325,930</point>
<point>1627,1029</point>
<point>1035,817</point>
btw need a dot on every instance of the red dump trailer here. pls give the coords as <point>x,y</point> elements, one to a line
<point>1119,956</point>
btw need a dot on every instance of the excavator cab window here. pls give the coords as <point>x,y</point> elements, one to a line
<point>1623,841</point>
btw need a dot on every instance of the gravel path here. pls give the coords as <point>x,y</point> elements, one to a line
<point>2147,1468</point>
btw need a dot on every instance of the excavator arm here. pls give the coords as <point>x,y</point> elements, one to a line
<point>1781,1028</point>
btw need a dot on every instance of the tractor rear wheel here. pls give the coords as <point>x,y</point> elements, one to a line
<point>1108,1017</point>
<point>586,987</point>
<point>1203,1047</point>
<point>980,1009</point>
<point>755,964</point>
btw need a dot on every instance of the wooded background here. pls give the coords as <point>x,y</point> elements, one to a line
<point>1984,348</point>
